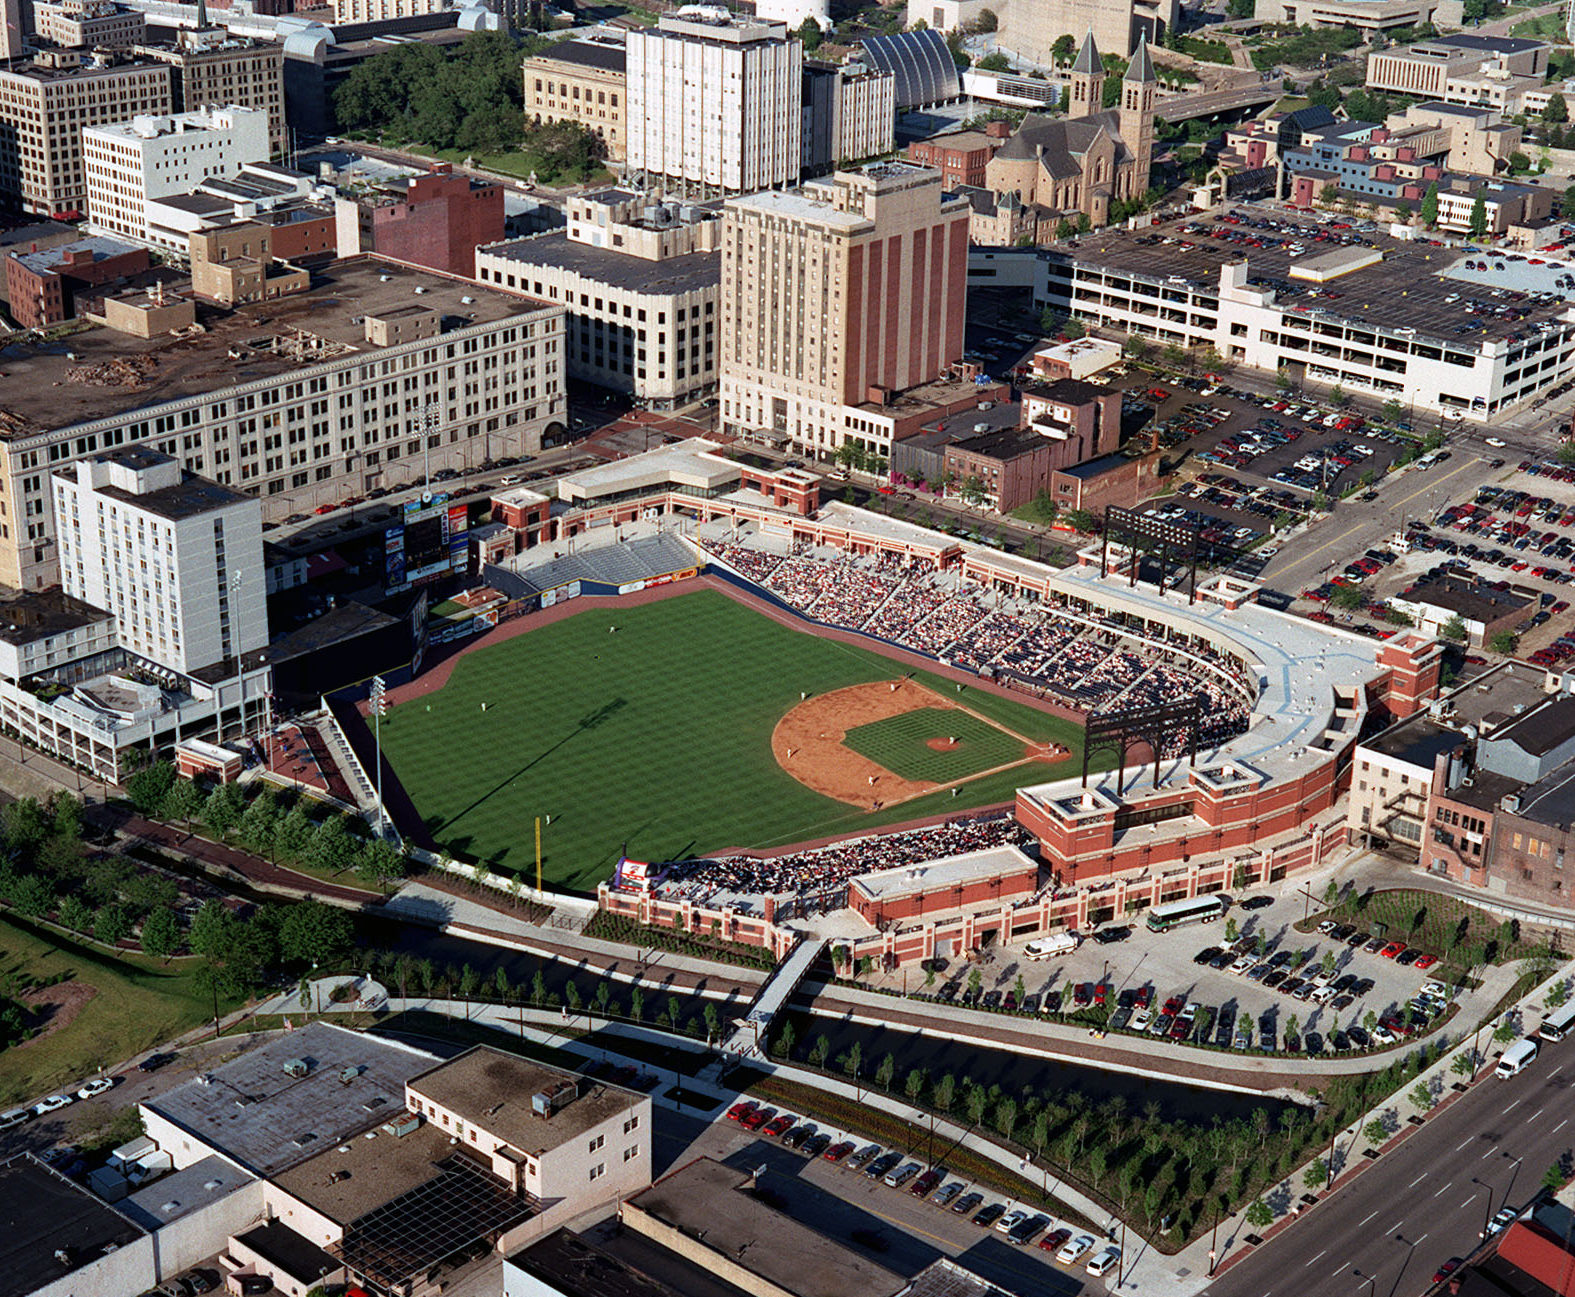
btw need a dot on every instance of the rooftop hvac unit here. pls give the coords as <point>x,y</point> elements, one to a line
<point>421,288</point>
<point>296,1067</point>
<point>349,1074</point>
<point>546,1102</point>
<point>406,1125</point>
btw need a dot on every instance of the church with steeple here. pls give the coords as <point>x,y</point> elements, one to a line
<point>1061,168</point>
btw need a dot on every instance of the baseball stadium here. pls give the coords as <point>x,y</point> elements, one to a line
<point>761,705</point>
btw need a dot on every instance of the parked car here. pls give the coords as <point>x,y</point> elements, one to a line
<point>1074,1248</point>
<point>989,1215</point>
<point>967,1202</point>
<point>947,1193</point>
<point>1104,1260</point>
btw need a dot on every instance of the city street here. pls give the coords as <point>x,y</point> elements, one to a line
<point>1425,1201</point>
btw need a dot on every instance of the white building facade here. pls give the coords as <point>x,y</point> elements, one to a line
<point>150,157</point>
<point>714,104</point>
<point>176,558</point>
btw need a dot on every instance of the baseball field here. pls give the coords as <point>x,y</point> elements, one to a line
<point>674,727</point>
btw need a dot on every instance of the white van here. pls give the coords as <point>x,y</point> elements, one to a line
<point>1061,943</point>
<point>1514,1060</point>
<point>15,1117</point>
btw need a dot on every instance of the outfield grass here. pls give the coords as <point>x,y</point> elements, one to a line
<point>658,736</point>
<point>137,1003</point>
<point>901,744</point>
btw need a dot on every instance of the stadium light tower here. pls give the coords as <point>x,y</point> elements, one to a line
<point>379,707</point>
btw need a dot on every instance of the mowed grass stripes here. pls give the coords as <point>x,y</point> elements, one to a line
<point>901,744</point>
<point>657,735</point>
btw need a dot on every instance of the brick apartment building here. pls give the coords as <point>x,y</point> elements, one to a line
<point>961,156</point>
<point>437,222</point>
<point>43,286</point>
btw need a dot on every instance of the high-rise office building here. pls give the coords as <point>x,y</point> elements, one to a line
<point>213,67</point>
<point>176,558</point>
<point>128,163</point>
<point>45,104</point>
<point>714,104</point>
<point>837,299</point>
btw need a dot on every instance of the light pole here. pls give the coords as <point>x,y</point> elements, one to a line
<point>379,706</point>
<point>429,420</point>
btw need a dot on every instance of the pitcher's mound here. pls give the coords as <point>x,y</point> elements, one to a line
<point>942,745</point>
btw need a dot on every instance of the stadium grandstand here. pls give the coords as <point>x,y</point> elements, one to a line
<point>1081,658</point>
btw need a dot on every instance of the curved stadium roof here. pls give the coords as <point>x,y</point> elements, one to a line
<point>921,63</point>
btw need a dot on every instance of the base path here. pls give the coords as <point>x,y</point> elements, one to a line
<point>808,741</point>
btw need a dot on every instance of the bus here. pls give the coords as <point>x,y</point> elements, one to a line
<point>1557,1024</point>
<point>1162,918</point>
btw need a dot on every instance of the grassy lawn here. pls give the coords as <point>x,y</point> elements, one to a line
<point>516,162</point>
<point>1547,27</point>
<point>136,1004</point>
<point>1206,51</point>
<point>901,744</point>
<point>1459,934</point>
<point>658,736</point>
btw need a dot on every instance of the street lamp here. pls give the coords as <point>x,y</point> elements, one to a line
<point>1487,1211</point>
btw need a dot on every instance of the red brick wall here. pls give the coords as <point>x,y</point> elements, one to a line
<point>303,239</point>
<point>440,223</point>
<point>39,299</point>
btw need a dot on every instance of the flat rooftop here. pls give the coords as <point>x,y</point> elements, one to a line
<point>693,462</point>
<point>589,54</point>
<point>949,871</point>
<point>294,1253</point>
<point>493,1090</point>
<point>98,372</point>
<point>43,613</point>
<point>1465,597</point>
<point>41,1214</point>
<point>688,273</point>
<point>1420,738</point>
<point>269,1121</point>
<point>709,1202</point>
<point>196,1188</point>
<point>1405,291</point>
<point>350,1179</point>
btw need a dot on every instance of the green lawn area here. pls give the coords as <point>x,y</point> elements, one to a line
<point>900,743</point>
<point>658,736</point>
<point>516,162</point>
<point>136,1004</point>
<point>1547,27</point>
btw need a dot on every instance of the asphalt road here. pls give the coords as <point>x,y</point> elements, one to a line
<point>1354,526</point>
<point>1387,1231</point>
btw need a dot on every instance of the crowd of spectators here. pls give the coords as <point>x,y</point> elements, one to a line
<point>824,871</point>
<point>1052,651</point>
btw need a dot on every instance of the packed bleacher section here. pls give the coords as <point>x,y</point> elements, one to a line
<point>1076,657</point>
<point>822,873</point>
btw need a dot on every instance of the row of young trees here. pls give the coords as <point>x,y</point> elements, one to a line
<point>1166,1175</point>
<point>267,823</point>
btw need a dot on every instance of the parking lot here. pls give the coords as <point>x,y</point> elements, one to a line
<point>1271,988</point>
<point>848,1178</point>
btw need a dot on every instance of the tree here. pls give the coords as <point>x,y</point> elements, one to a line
<point>1453,629</point>
<point>1282,380</point>
<point>1558,994</point>
<point>987,21</point>
<point>1430,206</point>
<point>111,925</point>
<point>1074,328</point>
<point>1503,641</point>
<point>1557,110</point>
<point>331,848</point>
<point>809,33</point>
<point>1375,1132</point>
<point>1505,1031</point>
<point>293,833</point>
<point>33,896</point>
<point>183,802</point>
<point>1316,1175</point>
<point>160,933</point>
<point>314,933</point>
<point>1348,597</point>
<point>1569,200</point>
<point>913,1084</point>
<point>379,861</point>
<point>994,61</point>
<point>1392,409</point>
<point>853,1059</point>
<point>1329,194</point>
<point>212,928</point>
<point>223,809</point>
<point>1136,346</point>
<point>1518,162</point>
<point>713,1023</point>
<point>1337,395</point>
<point>1554,1178</point>
<point>1232,931</point>
<point>259,821</point>
<point>944,1093</point>
<point>1479,216</point>
<point>1421,1097</point>
<point>1260,1214</point>
<point>147,788</point>
<point>76,914</point>
<point>1064,49</point>
<point>972,489</point>
<point>1240,9</point>
<point>885,1070</point>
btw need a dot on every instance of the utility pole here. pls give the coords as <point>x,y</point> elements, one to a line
<point>379,709</point>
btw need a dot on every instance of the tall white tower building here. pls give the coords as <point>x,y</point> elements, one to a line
<point>178,559</point>
<point>714,104</point>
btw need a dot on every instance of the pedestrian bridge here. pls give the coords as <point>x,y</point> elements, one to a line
<point>751,1030</point>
